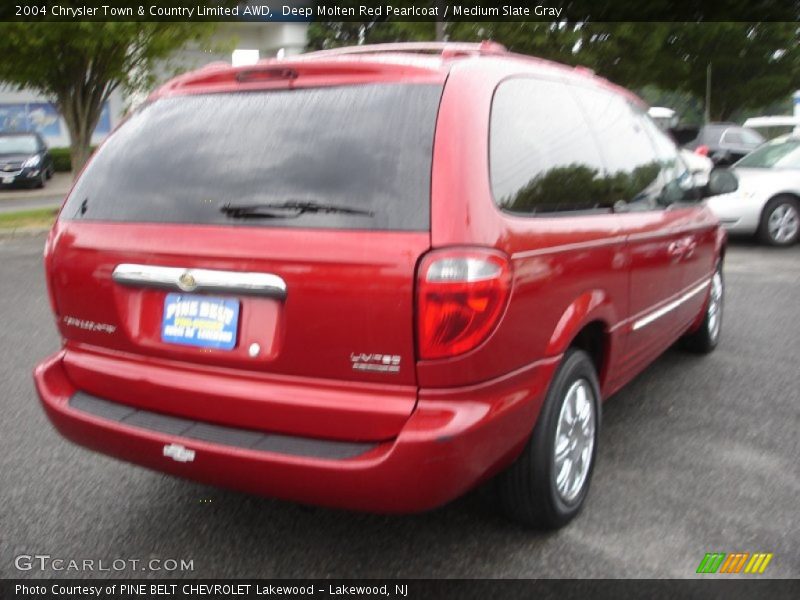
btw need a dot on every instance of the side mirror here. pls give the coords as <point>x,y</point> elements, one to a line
<point>721,158</point>
<point>721,181</point>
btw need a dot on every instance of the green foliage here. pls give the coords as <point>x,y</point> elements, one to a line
<point>688,107</point>
<point>572,186</point>
<point>62,162</point>
<point>78,65</point>
<point>323,35</point>
<point>89,57</point>
<point>560,188</point>
<point>38,217</point>
<point>753,64</point>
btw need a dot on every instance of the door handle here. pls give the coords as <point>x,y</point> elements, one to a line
<point>675,249</point>
<point>682,248</point>
<point>689,247</point>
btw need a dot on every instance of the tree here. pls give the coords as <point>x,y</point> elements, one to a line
<point>78,65</point>
<point>323,35</point>
<point>620,51</point>
<point>752,64</point>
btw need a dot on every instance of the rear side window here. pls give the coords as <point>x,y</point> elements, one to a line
<point>751,137</point>
<point>676,181</point>
<point>627,149</point>
<point>739,135</point>
<point>542,155</point>
<point>362,153</point>
<point>711,134</point>
<point>732,136</point>
<point>557,148</point>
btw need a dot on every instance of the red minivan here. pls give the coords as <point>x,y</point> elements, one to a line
<point>375,277</point>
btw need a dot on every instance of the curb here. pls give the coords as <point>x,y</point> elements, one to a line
<point>23,232</point>
<point>58,186</point>
<point>8,196</point>
<point>21,209</point>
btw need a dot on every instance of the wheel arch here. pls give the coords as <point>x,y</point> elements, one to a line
<point>594,339</point>
<point>791,194</point>
<point>586,324</point>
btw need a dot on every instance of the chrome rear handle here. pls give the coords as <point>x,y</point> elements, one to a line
<point>200,280</point>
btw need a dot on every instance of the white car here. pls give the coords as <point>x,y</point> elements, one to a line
<point>767,202</point>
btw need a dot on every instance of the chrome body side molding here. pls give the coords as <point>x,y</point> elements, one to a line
<point>658,313</point>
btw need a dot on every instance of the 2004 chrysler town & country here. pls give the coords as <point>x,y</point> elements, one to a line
<point>374,278</point>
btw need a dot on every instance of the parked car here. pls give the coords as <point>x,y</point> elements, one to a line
<point>665,118</point>
<point>700,166</point>
<point>767,202</point>
<point>378,278</point>
<point>24,159</point>
<point>725,143</point>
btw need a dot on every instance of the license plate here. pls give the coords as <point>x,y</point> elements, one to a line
<point>8,179</point>
<point>201,321</point>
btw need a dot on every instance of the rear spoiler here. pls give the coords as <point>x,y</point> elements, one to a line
<point>290,73</point>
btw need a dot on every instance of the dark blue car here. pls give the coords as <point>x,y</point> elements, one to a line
<point>24,159</point>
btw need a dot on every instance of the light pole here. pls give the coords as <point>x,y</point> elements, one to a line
<point>440,33</point>
<point>707,111</point>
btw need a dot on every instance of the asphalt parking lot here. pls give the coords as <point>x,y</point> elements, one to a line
<point>696,455</point>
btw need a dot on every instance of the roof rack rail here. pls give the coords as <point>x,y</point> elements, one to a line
<point>446,49</point>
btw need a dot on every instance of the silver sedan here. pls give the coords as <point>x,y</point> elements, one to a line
<point>767,202</point>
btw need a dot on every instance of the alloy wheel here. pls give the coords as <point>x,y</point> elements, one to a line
<point>715,305</point>
<point>574,441</point>
<point>783,223</point>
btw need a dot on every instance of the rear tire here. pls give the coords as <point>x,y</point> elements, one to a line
<point>706,337</point>
<point>780,222</point>
<point>546,486</point>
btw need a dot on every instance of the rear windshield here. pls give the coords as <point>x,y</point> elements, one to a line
<point>360,154</point>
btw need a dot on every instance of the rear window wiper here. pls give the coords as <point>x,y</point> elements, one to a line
<point>287,209</point>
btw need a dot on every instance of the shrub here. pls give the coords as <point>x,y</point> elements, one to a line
<point>61,160</point>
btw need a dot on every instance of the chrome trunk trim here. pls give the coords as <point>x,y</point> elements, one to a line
<point>200,280</point>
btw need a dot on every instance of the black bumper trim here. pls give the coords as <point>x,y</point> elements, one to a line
<point>218,434</point>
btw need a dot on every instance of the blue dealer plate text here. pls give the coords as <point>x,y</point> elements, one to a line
<point>200,321</point>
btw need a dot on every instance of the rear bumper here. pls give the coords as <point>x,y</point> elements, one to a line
<point>453,440</point>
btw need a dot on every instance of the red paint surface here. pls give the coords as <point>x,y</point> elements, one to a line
<point>442,425</point>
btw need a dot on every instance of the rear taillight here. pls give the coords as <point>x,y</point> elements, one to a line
<point>702,150</point>
<point>461,294</point>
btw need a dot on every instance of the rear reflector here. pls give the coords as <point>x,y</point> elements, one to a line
<point>461,294</point>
